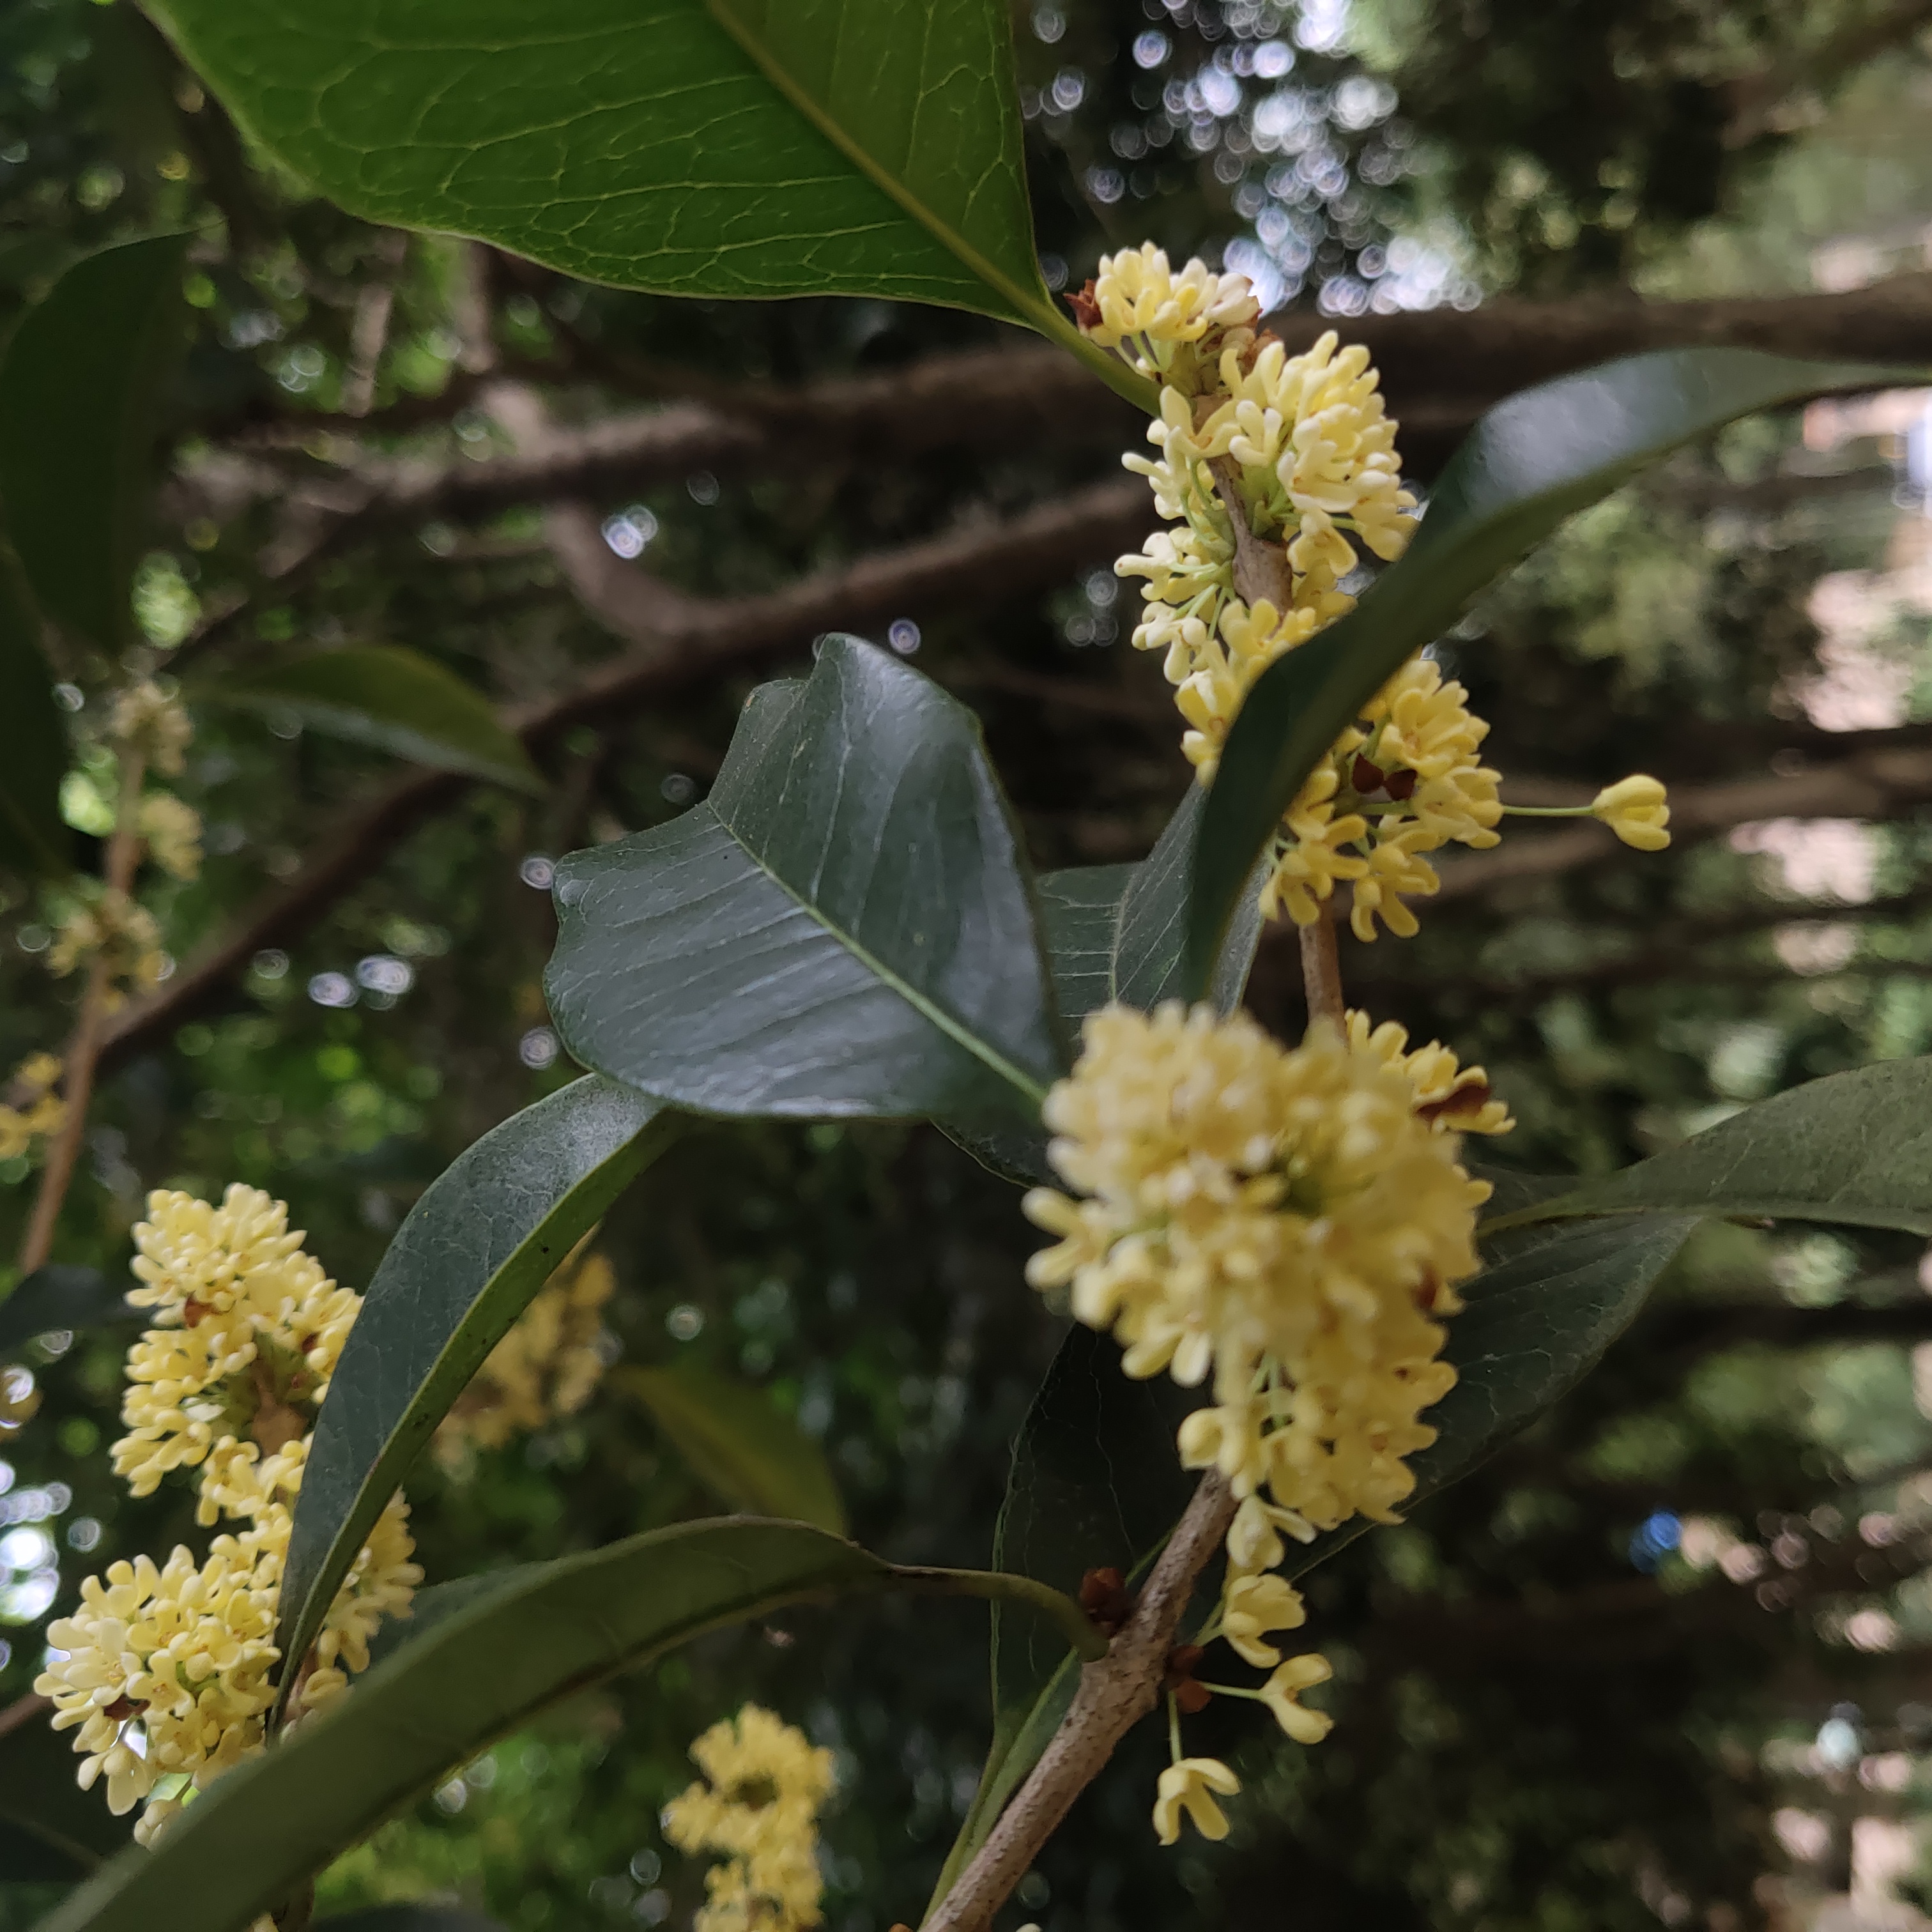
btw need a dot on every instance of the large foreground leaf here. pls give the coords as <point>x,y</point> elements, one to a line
<point>464,1264</point>
<point>1528,463</point>
<point>78,388</point>
<point>845,927</point>
<point>397,700</point>
<point>735,147</point>
<point>1093,1445</point>
<point>1855,1148</point>
<point>739,1443</point>
<point>476,1674</point>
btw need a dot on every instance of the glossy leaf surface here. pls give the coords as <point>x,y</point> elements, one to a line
<point>1116,932</point>
<point>483,1239</point>
<point>495,1663</point>
<point>1529,463</point>
<point>845,928</point>
<point>396,700</point>
<point>739,1443</point>
<point>733,148</point>
<point>79,385</point>
<point>1854,1148</point>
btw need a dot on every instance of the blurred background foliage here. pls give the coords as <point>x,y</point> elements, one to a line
<point>1665,1659</point>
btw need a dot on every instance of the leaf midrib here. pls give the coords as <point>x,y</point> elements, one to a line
<point>1024,303</point>
<point>928,1009</point>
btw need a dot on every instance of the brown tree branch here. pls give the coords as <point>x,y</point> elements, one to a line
<point>1114,1695</point>
<point>681,643</point>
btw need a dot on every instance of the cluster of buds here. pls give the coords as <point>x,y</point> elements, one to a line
<point>1272,469</point>
<point>166,1673</point>
<point>1286,1226</point>
<point>33,1110</point>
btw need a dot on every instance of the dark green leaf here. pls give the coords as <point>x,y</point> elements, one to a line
<point>1114,932</point>
<point>1095,1483</point>
<point>845,928</point>
<point>464,1264</point>
<point>59,1296</point>
<point>33,739</point>
<point>1528,463</point>
<point>734,148</point>
<point>550,1630</point>
<point>396,700</point>
<point>1854,1148</point>
<point>740,1445</point>
<point>79,385</point>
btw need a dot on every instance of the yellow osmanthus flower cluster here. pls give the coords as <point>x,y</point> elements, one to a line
<point>546,1367</point>
<point>758,1805</point>
<point>167,1672</point>
<point>113,925</point>
<point>1286,1226</point>
<point>1292,459</point>
<point>40,1112</point>
<point>170,828</point>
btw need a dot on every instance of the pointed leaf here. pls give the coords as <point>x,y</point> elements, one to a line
<point>1529,463</point>
<point>739,1443</point>
<point>549,1631</point>
<point>59,1296</point>
<point>79,385</point>
<point>845,928</point>
<point>1854,1148</point>
<point>33,838</point>
<point>396,700</point>
<point>470,1254</point>
<point>734,148</point>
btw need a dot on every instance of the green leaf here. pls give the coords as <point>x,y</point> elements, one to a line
<point>844,928</point>
<point>1539,1318</point>
<point>396,700</point>
<point>33,838</point>
<point>1095,1482</point>
<point>739,1443</point>
<point>59,1296</point>
<point>548,1632</point>
<point>483,1239</point>
<point>733,148</point>
<point>1854,1148</point>
<point>1115,932</point>
<point>79,385</point>
<point>1529,463</point>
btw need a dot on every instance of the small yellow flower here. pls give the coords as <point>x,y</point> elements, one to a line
<point>1190,1787</point>
<point>1256,1606</point>
<point>765,1782</point>
<point>149,720</point>
<point>1279,1693</point>
<point>1451,1097</point>
<point>1164,325</point>
<point>172,830</point>
<point>1634,809</point>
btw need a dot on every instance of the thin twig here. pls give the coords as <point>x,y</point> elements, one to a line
<point>1113,1696</point>
<point>24,1711</point>
<point>1322,968</point>
<point>83,1051</point>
